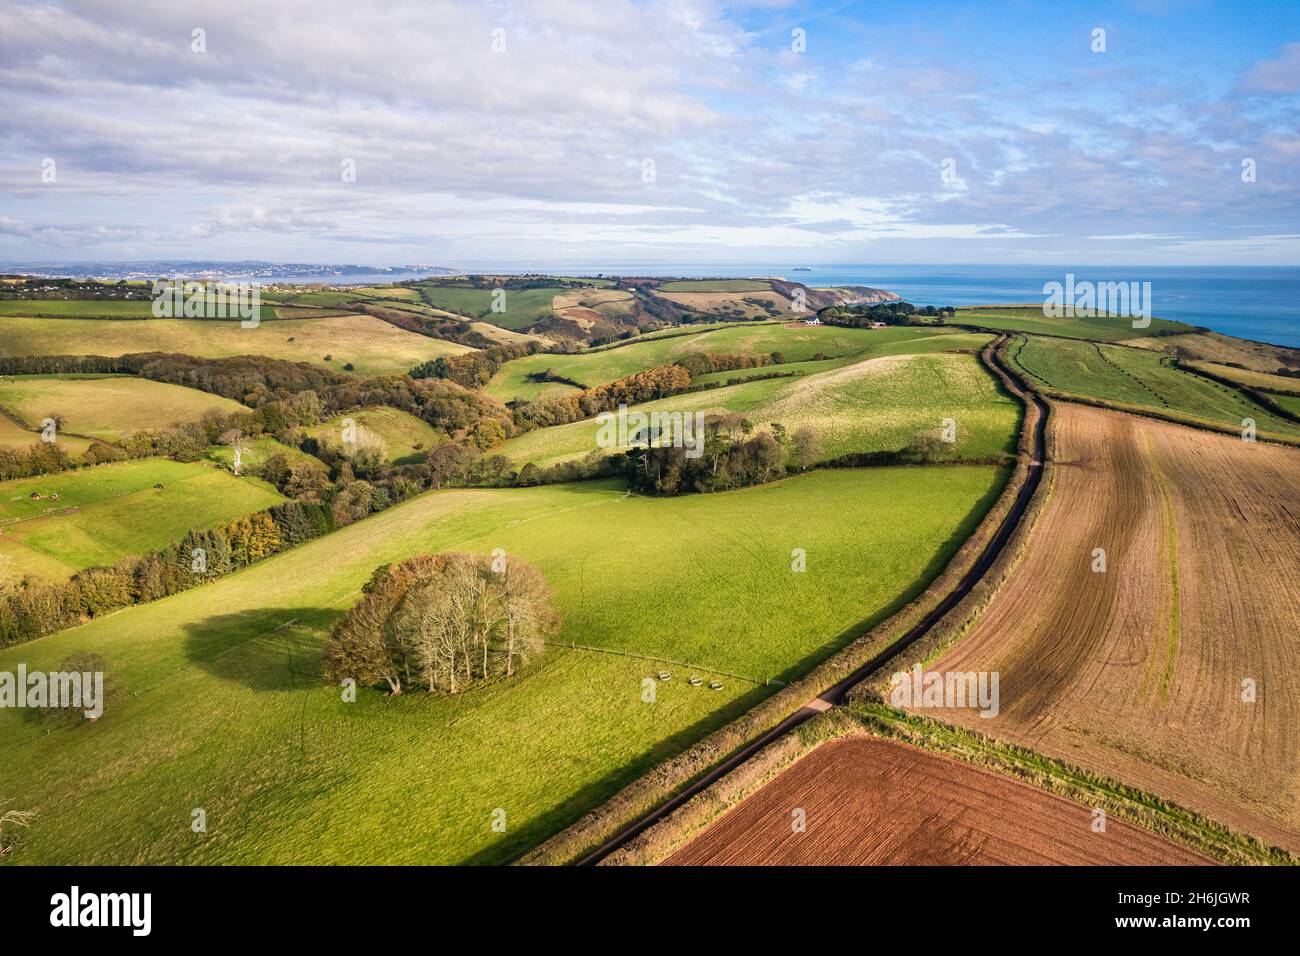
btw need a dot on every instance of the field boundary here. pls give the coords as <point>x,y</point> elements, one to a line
<point>658,792</point>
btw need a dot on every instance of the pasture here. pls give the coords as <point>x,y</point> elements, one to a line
<point>222,707</point>
<point>405,438</point>
<point>715,285</point>
<point>371,345</point>
<point>523,307</point>
<point>797,345</point>
<point>1141,378</point>
<point>109,511</point>
<point>108,407</point>
<point>873,405</point>
<point>1031,319</point>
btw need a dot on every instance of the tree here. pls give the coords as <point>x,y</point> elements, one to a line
<point>807,448</point>
<point>238,443</point>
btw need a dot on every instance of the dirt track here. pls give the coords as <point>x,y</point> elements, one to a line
<point>869,801</point>
<point>1136,672</point>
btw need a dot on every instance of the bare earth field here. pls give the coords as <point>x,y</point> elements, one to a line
<point>1137,672</point>
<point>874,802</point>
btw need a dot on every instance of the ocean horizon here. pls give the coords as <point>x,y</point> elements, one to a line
<point>1252,302</point>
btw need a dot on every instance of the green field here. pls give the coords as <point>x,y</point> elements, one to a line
<point>258,451</point>
<point>222,708</point>
<point>1290,402</point>
<point>405,437</point>
<point>798,345</point>
<point>110,511</point>
<point>876,405</point>
<point>80,308</point>
<point>110,407</point>
<point>372,345</point>
<point>1284,384</point>
<point>1139,377</point>
<point>716,285</point>
<point>12,435</point>
<point>1101,329</point>
<point>523,307</point>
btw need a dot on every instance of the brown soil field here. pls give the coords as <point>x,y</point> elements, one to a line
<point>868,801</point>
<point>1138,672</point>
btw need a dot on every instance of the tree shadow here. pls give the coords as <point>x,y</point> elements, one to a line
<point>268,649</point>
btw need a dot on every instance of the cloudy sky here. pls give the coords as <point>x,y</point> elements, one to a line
<point>677,131</point>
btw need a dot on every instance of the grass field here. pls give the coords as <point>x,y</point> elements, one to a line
<point>1290,402</point>
<point>1137,672</point>
<point>109,511</point>
<point>1101,328</point>
<point>1142,378</point>
<point>797,345</point>
<point>301,776</point>
<point>523,307</point>
<point>258,451</point>
<point>13,435</point>
<point>875,405</point>
<point>372,346</point>
<point>405,437</point>
<point>716,285</point>
<point>1251,379</point>
<point>109,407</point>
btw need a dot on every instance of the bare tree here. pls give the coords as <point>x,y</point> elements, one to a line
<point>10,821</point>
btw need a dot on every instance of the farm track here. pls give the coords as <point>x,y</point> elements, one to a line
<point>837,692</point>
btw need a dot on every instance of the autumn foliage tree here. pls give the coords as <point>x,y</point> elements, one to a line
<point>443,623</point>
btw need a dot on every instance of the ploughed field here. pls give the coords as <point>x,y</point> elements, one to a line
<point>867,801</point>
<point>1142,672</point>
<point>222,706</point>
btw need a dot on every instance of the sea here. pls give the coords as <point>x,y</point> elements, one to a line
<point>1252,302</point>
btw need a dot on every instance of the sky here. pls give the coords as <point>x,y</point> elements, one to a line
<point>440,132</point>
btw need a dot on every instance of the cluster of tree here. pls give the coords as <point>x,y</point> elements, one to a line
<point>474,369</point>
<point>31,609</point>
<point>890,313</point>
<point>659,382</point>
<point>443,623</point>
<point>455,464</point>
<point>734,456</point>
<point>704,363</point>
<point>285,394</point>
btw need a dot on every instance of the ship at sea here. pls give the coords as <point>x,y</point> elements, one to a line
<point>803,268</point>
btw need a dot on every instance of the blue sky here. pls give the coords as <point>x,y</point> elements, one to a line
<point>678,131</point>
